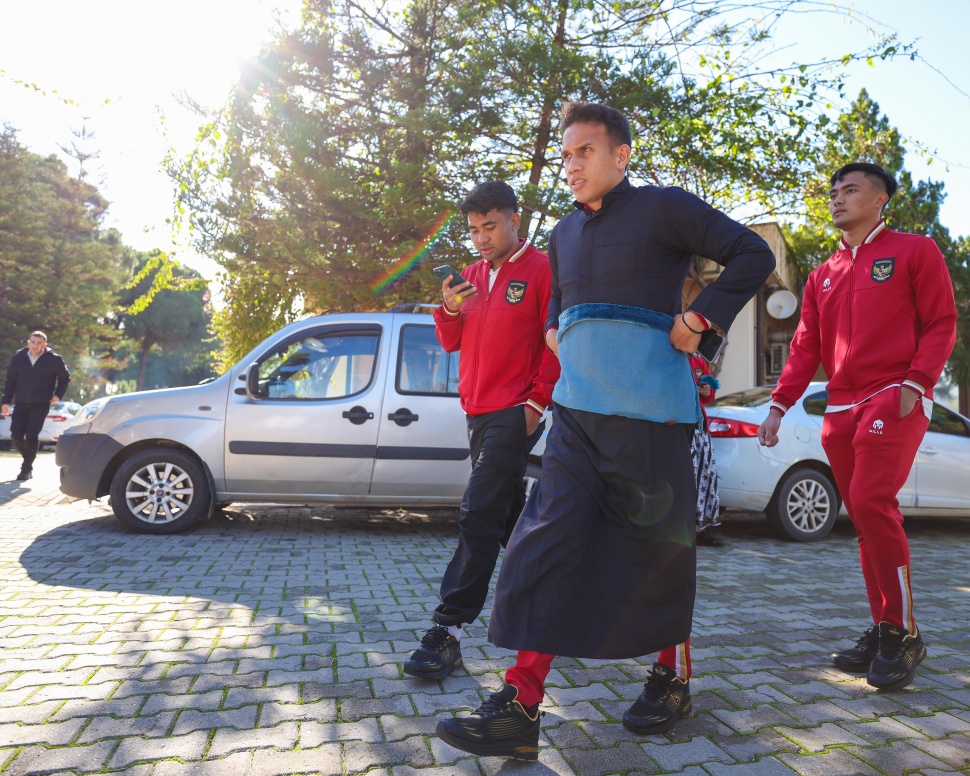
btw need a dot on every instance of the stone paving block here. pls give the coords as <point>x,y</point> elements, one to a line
<point>39,759</point>
<point>567,696</point>
<point>244,696</point>
<point>243,718</point>
<point>767,766</point>
<point>954,750</point>
<point>752,747</point>
<point>753,720</point>
<point>353,709</point>
<point>360,756</point>
<point>238,763</point>
<point>218,681</point>
<point>835,761</point>
<point>315,691</point>
<point>226,741</point>
<point>898,757</point>
<point>314,734</point>
<point>206,701</point>
<point>324,761</point>
<point>461,768</point>
<point>30,713</point>
<point>599,762</point>
<point>818,712</point>
<point>881,731</point>
<point>51,734</point>
<point>102,728</point>
<point>94,692</point>
<point>936,725</point>
<point>674,757</point>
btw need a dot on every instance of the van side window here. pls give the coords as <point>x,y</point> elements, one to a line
<point>422,366</point>
<point>323,366</point>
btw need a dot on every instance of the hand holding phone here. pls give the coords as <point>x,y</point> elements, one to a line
<point>457,289</point>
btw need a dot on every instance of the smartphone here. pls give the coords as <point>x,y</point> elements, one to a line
<point>445,270</point>
<point>711,345</point>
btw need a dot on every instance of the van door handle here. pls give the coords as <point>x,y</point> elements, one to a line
<point>358,415</point>
<point>403,417</point>
<point>928,450</point>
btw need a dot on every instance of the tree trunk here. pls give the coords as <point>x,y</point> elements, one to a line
<point>544,129</point>
<point>146,345</point>
<point>964,401</point>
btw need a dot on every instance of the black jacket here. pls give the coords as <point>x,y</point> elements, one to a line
<point>38,382</point>
<point>637,248</point>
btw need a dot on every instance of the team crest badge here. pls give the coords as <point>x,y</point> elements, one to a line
<point>882,269</point>
<point>515,293</point>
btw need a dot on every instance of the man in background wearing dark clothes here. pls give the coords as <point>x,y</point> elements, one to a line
<point>602,560</point>
<point>36,378</point>
<point>505,379</point>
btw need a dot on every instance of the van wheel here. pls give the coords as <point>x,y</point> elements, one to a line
<point>160,491</point>
<point>804,507</point>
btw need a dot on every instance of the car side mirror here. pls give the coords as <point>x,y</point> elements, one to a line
<point>252,382</point>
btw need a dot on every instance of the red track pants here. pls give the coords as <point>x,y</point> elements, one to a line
<point>871,451</point>
<point>531,669</point>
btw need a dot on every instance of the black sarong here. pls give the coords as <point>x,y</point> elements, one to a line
<point>602,562</point>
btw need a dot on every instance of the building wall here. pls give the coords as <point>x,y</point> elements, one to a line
<point>738,363</point>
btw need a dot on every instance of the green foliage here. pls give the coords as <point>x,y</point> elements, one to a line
<point>166,320</point>
<point>58,268</point>
<point>346,139</point>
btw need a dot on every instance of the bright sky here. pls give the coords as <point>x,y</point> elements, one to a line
<point>125,63</point>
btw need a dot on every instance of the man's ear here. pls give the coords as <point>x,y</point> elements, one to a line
<point>623,156</point>
<point>516,221</point>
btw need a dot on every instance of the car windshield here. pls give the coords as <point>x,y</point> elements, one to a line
<point>753,397</point>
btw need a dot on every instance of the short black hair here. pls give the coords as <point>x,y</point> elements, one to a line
<point>617,127</point>
<point>489,196</point>
<point>873,172</point>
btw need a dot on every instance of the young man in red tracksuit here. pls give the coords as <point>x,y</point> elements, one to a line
<point>505,380</point>
<point>880,316</point>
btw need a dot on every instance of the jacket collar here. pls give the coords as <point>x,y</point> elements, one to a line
<point>609,198</point>
<point>877,230</point>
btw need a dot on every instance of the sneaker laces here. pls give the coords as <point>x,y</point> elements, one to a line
<point>891,646</point>
<point>435,638</point>
<point>494,705</point>
<point>656,685</point>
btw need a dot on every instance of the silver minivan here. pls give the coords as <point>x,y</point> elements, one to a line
<point>356,408</point>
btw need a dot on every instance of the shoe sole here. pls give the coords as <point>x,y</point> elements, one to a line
<point>441,673</point>
<point>661,728</point>
<point>853,668</point>
<point>900,683</point>
<point>514,751</point>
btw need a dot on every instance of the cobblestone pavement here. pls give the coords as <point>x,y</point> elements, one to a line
<point>270,641</point>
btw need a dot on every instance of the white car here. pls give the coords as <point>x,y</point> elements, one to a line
<point>792,482</point>
<point>61,416</point>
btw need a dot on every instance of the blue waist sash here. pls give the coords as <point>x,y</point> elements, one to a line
<point>618,360</point>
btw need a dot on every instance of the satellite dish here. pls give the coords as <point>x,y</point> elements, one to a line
<point>781,304</point>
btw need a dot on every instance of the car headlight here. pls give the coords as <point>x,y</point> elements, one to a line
<point>89,412</point>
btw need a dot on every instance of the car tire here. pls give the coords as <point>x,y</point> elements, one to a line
<point>160,491</point>
<point>804,507</point>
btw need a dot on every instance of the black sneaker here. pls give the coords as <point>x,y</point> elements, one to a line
<point>438,655</point>
<point>899,654</point>
<point>25,474</point>
<point>502,727</point>
<point>707,538</point>
<point>857,659</point>
<point>665,699</point>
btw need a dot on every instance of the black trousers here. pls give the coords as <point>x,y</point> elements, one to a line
<point>493,500</point>
<point>25,425</point>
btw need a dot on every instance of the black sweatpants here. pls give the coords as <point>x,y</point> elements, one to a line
<point>25,425</point>
<point>491,505</point>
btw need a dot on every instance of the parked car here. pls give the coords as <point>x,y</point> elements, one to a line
<point>61,416</point>
<point>358,408</point>
<point>793,483</point>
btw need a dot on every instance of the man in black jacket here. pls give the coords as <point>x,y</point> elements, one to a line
<point>36,378</point>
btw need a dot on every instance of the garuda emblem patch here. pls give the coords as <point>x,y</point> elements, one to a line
<point>882,269</point>
<point>515,293</point>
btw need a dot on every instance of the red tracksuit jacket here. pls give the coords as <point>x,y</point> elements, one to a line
<point>504,358</point>
<point>884,317</point>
